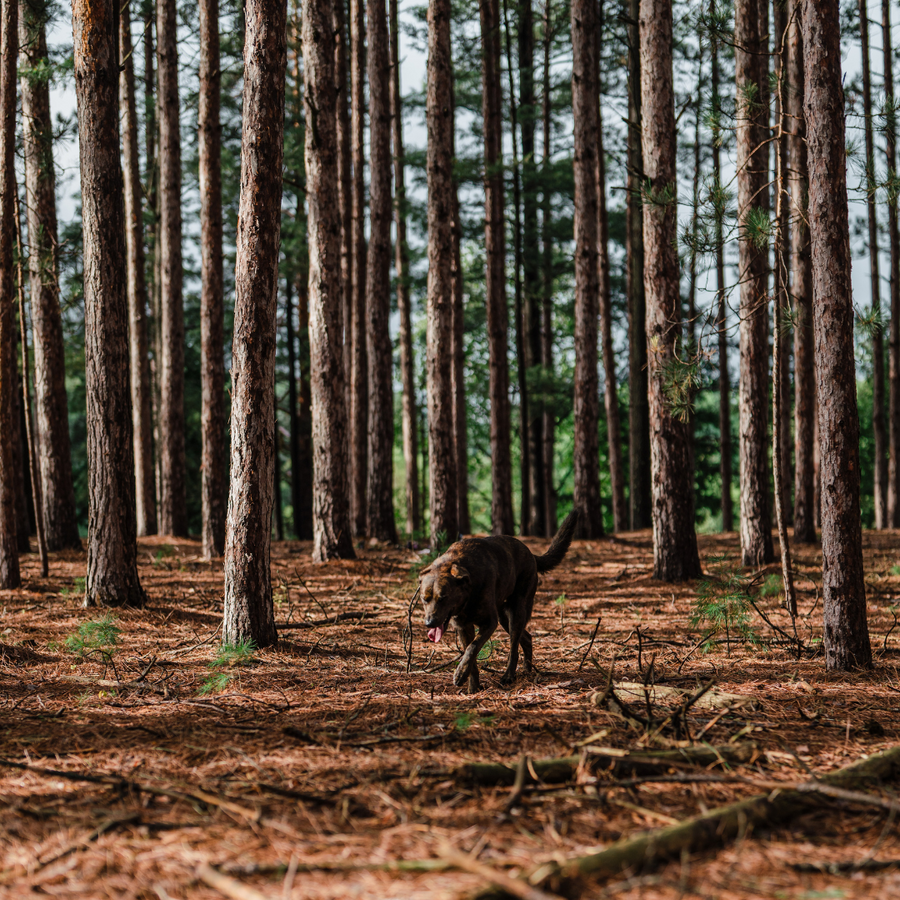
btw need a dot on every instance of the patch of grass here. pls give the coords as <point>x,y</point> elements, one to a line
<point>215,684</point>
<point>229,656</point>
<point>99,634</point>
<point>77,587</point>
<point>723,604</point>
<point>773,586</point>
<point>561,600</point>
<point>895,570</point>
<point>165,552</point>
<point>466,720</point>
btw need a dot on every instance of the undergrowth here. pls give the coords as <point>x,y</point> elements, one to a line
<point>724,604</point>
<point>229,656</point>
<point>100,634</point>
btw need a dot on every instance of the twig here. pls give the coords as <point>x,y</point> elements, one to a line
<point>227,885</point>
<point>513,886</point>
<point>591,645</point>
<point>518,784</point>
<point>409,624</point>
<point>101,829</point>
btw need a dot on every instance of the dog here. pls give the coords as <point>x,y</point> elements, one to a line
<point>482,582</point>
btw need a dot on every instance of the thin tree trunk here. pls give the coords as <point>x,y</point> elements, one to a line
<point>249,612</point>
<point>801,290</point>
<point>359,369</point>
<point>639,454</point>
<point>401,262</point>
<point>331,510</point>
<point>752,178</point>
<point>611,393</point>
<point>585,108</point>
<point>112,576</point>
<point>846,634</point>
<point>213,467</point>
<point>502,521</point>
<point>438,367</point>
<point>380,481</point>
<point>675,556</point>
<point>293,423</point>
<point>10,476</point>
<point>878,419</point>
<point>172,509</point>
<point>279,508</point>
<point>60,523</point>
<point>303,474</point>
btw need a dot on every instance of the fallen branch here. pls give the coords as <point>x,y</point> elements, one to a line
<point>513,887</point>
<point>226,885</point>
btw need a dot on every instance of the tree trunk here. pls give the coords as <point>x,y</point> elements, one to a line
<point>531,275</point>
<point>611,393</point>
<point>458,377</point>
<point>276,482</point>
<point>331,510</point>
<point>303,474</point>
<point>213,467</point>
<point>172,509</point>
<point>438,367</point>
<point>401,261</point>
<point>752,178</point>
<point>9,476</point>
<point>502,521</point>
<point>846,636</point>
<point>549,418</point>
<point>878,422</point>
<point>112,576</point>
<point>249,613</point>
<point>60,522</point>
<point>380,481</point>
<point>639,462</point>
<point>359,384</point>
<point>801,289</point>
<point>675,556</point>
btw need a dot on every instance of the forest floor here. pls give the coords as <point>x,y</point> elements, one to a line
<point>129,760</point>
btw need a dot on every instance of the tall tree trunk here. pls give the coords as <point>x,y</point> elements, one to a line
<point>502,521</point>
<point>549,422</point>
<point>675,556</point>
<point>531,274</point>
<point>438,366</point>
<point>721,307</point>
<point>639,462</point>
<point>846,636</point>
<point>801,289</point>
<point>752,178</point>
<point>380,481</point>
<point>112,576</point>
<point>9,476</point>
<point>458,377</point>
<point>878,420</point>
<point>585,108</point>
<point>213,467</point>
<point>611,393</point>
<point>276,481</point>
<point>249,613</point>
<point>172,509</point>
<point>331,510</point>
<point>303,474</point>
<point>359,370</point>
<point>890,131</point>
<point>60,523</point>
<point>401,261</point>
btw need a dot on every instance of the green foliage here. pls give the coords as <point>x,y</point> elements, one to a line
<point>758,227</point>
<point>723,604</point>
<point>681,380</point>
<point>466,720</point>
<point>487,651</point>
<point>215,684</point>
<point>78,586</point>
<point>229,656</point>
<point>99,634</point>
<point>773,586</point>
<point>440,547</point>
<point>662,197</point>
<point>167,551</point>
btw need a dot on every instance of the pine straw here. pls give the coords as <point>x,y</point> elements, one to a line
<point>326,753</point>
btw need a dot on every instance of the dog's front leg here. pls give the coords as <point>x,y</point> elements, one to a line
<point>468,665</point>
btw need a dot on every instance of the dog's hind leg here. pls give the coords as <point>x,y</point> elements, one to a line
<point>526,644</point>
<point>518,612</point>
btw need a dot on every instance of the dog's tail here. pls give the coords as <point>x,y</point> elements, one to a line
<point>560,545</point>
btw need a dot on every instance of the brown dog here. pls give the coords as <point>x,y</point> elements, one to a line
<point>482,582</point>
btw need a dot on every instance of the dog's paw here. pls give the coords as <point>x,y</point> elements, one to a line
<point>507,679</point>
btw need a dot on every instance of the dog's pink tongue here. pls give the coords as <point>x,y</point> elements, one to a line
<point>435,634</point>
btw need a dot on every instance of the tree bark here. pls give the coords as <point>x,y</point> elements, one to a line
<point>213,467</point>
<point>331,510</point>
<point>675,556</point>
<point>585,107</point>
<point>439,170</point>
<point>752,178</point>
<point>801,290</point>
<point>359,370</point>
<point>502,521</point>
<point>60,523</point>
<point>611,393</point>
<point>409,414</point>
<point>303,474</point>
<point>172,509</point>
<point>112,576</point>
<point>878,420</point>
<point>9,475</point>
<point>380,481</point>
<point>846,636</point>
<point>249,612</point>
<point>639,453</point>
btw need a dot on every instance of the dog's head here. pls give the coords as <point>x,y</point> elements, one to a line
<point>445,590</point>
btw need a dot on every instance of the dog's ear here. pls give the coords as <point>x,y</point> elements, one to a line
<point>459,573</point>
<point>424,571</point>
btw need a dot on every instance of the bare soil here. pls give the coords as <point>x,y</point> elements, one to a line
<point>311,770</point>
